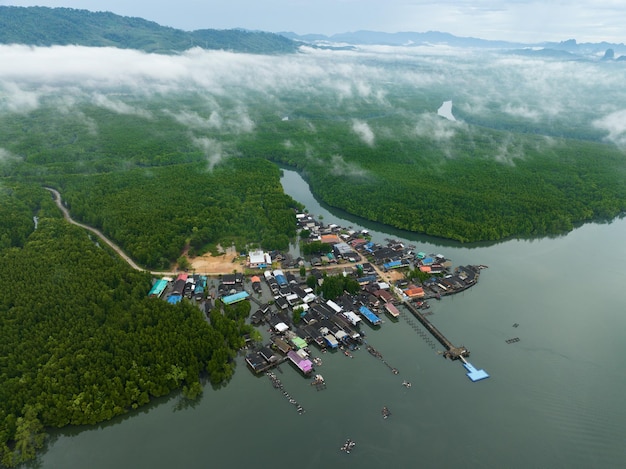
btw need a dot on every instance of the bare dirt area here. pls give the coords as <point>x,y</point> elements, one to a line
<point>393,275</point>
<point>225,263</point>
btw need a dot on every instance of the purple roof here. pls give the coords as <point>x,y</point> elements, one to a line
<point>304,364</point>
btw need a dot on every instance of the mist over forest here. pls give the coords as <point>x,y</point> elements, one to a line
<point>236,92</point>
<point>363,118</point>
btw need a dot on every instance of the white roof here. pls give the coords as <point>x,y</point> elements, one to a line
<point>334,306</point>
<point>257,257</point>
<point>353,318</point>
<point>281,327</point>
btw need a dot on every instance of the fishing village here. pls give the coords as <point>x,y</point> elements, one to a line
<point>301,327</point>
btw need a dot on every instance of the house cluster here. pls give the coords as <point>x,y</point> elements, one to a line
<point>332,235</point>
<point>183,286</point>
<point>297,318</point>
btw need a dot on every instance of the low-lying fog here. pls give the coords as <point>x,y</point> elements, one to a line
<point>410,82</point>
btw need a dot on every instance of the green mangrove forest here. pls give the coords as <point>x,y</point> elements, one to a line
<point>166,166</point>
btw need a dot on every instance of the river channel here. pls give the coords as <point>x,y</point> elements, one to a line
<point>555,399</point>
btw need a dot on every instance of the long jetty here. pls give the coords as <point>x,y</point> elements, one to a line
<point>452,352</point>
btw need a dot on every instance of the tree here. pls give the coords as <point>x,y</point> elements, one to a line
<point>297,314</point>
<point>29,435</point>
<point>183,263</point>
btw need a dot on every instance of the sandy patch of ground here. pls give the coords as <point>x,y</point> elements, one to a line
<point>393,275</point>
<point>225,263</point>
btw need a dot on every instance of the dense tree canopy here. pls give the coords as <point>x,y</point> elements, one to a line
<point>82,342</point>
<point>153,214</point>
<point>477,194</point>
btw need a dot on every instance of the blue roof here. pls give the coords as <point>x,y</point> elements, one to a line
<point>474,374</point>
<point>371,317</point>
<point>230,299</point>
<point>173,299</point>
<point>367,279</point>
<point>392,264</point>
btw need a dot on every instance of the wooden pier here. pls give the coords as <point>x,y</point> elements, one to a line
<point>452,352</point>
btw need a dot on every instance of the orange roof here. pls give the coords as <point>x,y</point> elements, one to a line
<point>255,279</point>
<point>425,268</point>
<point>413,291</point>
<point>330,239</point>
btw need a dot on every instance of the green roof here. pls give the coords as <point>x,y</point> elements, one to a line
<point>299,342</point>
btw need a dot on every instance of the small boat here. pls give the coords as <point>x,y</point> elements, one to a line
<point>318,381</point>
<point>386,412</point>
<point>348,445</point>
<point>347,354</point>
<point>406,384</point>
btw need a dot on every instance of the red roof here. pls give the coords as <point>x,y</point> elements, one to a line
<point>357,242</point>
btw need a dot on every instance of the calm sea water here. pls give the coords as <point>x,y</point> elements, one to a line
<point>555,399</point>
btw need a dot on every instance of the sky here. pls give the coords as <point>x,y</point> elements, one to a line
<point>529,21</point>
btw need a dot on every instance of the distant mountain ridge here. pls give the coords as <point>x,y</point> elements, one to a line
<point>408,38</point>
<point>43,26</point>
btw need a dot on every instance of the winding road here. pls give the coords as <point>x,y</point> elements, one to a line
<point>66,214</point>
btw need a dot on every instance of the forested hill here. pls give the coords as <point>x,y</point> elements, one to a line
<point>42,26</point>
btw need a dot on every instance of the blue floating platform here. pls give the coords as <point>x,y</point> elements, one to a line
<point>474,374</point>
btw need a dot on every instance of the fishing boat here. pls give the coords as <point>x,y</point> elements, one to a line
<point>386,412</point>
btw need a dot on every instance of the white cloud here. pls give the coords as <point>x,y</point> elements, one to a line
<point>507,151</point>
<point>195,121</point>
<point>521,110</point>
<point>212,149</point>
<point>6,156</point>
<point>341,167</point>
<point>435,127</point>
<point>15,99</point>
<point>364,132</point>
<point>119,107</point>
<point>396,82</point>
<point>614,125</point>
